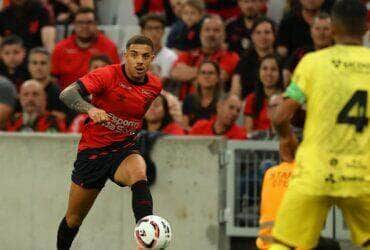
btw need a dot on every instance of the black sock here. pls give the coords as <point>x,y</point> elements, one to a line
<point>142,203</point>
<point>65,235</point>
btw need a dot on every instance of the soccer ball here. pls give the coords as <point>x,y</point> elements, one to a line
<point>153,232</point>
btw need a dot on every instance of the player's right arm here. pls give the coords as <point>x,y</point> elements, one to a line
<point>72,96</point>
<point>295,96</point>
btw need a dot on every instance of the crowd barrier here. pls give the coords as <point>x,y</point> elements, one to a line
<point>206,187</point>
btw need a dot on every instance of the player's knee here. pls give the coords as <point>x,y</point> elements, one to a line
<point>74,220</point>
<point>138,175</point>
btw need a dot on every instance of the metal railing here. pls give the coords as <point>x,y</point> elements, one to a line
<point>246,162</point>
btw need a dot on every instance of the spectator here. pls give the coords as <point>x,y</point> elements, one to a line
<point>322,37</point>
<point>70,59</point>
<point>202,103</point>
<point>34,117</point>
<point>227,9</point>
<point>158,118</point>
<point>29,20</point>
<point>12,65</point>
<point>239,31</point>
<point>184,34</point>
<point>65,9</point>
<point>212,38</point>
<point>246,73</point>
<point>8,100</point>
<point>228,109</point>
<point>170,8</point>
<point>39,68</point>
<point>96,61</point>
<point>270,83</point>
<point>176,9</point>
<point>152,26</point>
<point>294,30</point>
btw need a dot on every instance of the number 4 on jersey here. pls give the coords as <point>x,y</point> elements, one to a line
<point>358,99</point>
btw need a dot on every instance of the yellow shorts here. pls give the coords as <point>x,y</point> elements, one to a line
<point>301,218</point>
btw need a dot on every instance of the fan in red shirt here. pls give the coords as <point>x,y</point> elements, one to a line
<point>212,36</point>
<point>34,117</point>
<point>121,95</point>
<point>158,118</point>
<point>228,109</point>
<point>70,59</point>
<point>270,82</point>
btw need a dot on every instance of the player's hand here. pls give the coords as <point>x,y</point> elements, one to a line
<point>98,115</point>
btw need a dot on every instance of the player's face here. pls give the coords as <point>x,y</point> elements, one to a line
<point>321,33</point>
<point>13,55</point>
<point>154,30</point>
<point>138,58</point>
<point>39,66</point>
<point>269,72</point>
<point>229,110</point>
<point>97,64</point>
<point>212,33</point>
<point>155,112</point>
<point>207,76</point>
<point>32,98</point>
<point>190,15</point>
<point>312,4</point>
<point>249,8</point>
<point>263,36</point>
<point>85,27</point>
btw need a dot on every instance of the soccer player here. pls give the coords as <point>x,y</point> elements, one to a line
<point>333,161</point>
<point>121,94</point>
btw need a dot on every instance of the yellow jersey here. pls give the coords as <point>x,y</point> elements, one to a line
<point>334,156</point>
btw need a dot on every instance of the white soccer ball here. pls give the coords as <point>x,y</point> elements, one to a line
<point>153,232</point>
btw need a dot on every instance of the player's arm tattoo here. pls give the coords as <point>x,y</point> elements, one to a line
<point>72,97</point>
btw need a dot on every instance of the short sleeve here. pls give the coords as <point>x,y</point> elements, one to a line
<point>199,128</point>
<point>248,108</point>
<point>113,54</point>
<point>97,81</point>
<point>7,92</point>
<point>184,57</point>
<point>229,63</point>
<point>300,85</point>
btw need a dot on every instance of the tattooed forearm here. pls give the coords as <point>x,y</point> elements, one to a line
<point>73,99</point>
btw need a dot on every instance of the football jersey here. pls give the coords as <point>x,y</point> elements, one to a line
<point>124,100</point>
<point>334,156</point>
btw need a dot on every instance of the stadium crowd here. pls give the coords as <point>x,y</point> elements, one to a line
<point>221,63</point>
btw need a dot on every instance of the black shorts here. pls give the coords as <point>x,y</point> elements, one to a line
<point>93,167</point>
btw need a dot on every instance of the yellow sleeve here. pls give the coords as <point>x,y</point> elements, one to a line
<point>301,83</point>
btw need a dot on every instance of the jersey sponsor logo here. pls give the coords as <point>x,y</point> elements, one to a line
<point>336,63</point>
<point>122,126</point>
<point>343,178</point>
<point>355,66</point>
